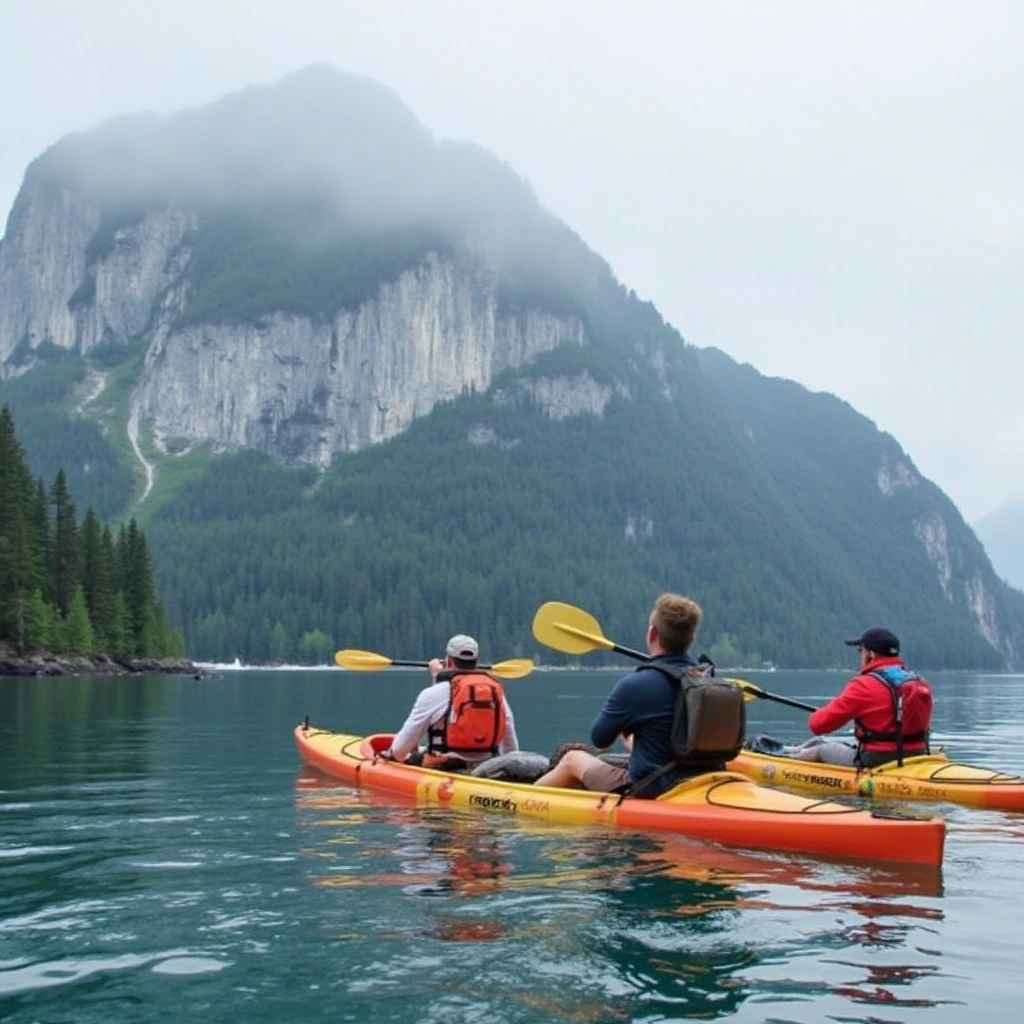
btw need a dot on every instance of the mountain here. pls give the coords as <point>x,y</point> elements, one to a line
<point>365,391</point>
<point>1002,533</point>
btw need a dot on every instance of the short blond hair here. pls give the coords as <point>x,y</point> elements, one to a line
<point>676,618</point>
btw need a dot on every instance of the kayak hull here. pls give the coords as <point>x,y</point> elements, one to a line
<point>725,807</point>
<point>932,778</point>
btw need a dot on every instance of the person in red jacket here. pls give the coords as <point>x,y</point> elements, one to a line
<point>890,707</point>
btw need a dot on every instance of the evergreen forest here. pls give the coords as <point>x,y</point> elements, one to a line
<point>402,544</point>
<point>70,587</point>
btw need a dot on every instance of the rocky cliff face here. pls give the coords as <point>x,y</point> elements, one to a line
<point>305,390</point>
<point>52,294</point>
<point>296,387</point>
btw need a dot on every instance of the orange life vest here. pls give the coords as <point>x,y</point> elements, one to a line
<point>475,720</point>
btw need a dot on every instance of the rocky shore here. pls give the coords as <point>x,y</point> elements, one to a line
<point>95,665</point>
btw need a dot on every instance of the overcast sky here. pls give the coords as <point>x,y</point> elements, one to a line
<point>831,191</point>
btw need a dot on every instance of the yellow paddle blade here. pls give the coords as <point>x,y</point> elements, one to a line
<point>750,691</point>
<point>361,661</point>
<point>569,629</point>
<point>514,668</point>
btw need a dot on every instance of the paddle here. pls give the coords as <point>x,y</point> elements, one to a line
<point>571,630</point>
<point>750,692</point>
<point>368,661</point>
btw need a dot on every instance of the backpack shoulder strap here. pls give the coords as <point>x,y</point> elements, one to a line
<point>681,673</point>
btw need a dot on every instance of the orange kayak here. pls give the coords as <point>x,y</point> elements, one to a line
<point>725,807</point>
<point>932,777</point>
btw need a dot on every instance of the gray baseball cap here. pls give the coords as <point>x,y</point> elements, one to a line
<point>462,646</point>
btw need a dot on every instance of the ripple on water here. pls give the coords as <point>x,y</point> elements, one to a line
<point>46,974</point>
<point>190,965</point>
<point>25,852</point>
<point>55,918</point>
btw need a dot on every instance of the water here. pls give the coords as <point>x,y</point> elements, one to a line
<point>164,858</point>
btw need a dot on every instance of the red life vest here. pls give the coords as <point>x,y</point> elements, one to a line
<point>475,720</point>
<point>911,717</point>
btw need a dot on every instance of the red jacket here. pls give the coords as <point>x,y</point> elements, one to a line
<point>868,701</point>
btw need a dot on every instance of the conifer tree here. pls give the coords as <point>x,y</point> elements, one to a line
<point>120,637</point>
<point>138,589</point>
<point>280,647</point>
<point>78,638</point>
<point>103,607</point>
<point>19,568</point>
<point>38,623</point>
<point>41,536</point>
<point>67,554</point>
<point>91,536</point>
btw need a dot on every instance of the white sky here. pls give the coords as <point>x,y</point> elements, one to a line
<point>831,191</point>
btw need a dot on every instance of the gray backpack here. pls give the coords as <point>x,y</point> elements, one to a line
<point>709,723</point>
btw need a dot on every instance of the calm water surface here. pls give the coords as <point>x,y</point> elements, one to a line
<point>164,858</point>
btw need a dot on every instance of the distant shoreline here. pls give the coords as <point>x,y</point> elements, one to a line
<point>45,664</point>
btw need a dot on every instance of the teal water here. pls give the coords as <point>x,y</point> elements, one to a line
<point>164,858</point>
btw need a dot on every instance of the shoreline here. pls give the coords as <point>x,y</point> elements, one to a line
<point>44,664</point>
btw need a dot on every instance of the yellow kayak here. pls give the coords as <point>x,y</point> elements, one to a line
<point>723,806</point>
<point>932,777</point>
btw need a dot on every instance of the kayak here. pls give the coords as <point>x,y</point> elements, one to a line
<point>723,806</point>
<point>930,777</point>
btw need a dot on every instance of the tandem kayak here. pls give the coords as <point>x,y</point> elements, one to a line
<point>932,777</point>
<point>725,807</point>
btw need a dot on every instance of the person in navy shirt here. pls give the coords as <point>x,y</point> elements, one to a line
<point>640,709</point>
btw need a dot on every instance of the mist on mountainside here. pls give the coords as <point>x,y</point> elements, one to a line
<point>320,160</point>
<point>1002,533</point>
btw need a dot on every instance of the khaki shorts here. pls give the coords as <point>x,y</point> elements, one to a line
<point>605,778</point>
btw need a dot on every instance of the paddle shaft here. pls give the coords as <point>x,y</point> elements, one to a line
<point>630,653</point>
<point>788,701</point>
<point>426,664</point>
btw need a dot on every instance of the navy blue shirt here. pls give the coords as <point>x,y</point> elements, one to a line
<point>643,703</point>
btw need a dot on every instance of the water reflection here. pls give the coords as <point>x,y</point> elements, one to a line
<point>619,926</point>
<point>65,731</point>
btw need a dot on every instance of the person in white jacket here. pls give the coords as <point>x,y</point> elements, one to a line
<point>464,714</point>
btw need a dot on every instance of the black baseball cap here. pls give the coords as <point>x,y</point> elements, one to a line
<point>876,639</point>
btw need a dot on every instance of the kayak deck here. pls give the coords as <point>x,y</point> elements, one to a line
<point>722,806</point>
<point>932,777</point>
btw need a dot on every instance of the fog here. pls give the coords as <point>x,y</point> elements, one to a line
<point>831,191</point>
